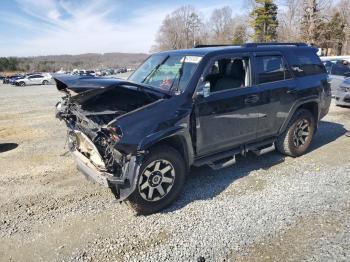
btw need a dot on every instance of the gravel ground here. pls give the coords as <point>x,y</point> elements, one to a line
<point>266,208</point>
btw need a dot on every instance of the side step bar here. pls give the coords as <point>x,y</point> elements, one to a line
<point>228,158</point>
<point>265,150</point>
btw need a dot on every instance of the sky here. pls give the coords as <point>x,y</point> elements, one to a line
<point>52,27</point>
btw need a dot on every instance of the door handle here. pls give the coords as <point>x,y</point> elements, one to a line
<point>292,91</point>
<point>251,99</point>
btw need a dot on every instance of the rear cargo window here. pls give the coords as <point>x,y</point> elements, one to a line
<point>307,64</point>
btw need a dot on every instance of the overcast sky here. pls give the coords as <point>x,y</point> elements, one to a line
<point>47,27</point>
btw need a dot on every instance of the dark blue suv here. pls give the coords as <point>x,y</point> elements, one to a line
<point>183,108</point>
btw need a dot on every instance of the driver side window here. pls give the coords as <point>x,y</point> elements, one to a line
<point>228,73</point>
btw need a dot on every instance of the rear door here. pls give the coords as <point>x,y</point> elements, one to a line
<point>35,79</point>
<point>277,91</point>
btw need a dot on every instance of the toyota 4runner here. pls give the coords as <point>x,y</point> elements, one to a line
<point>194,107</point>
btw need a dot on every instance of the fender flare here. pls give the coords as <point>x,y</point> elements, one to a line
<point>296,106</point>
<point>178,131</point>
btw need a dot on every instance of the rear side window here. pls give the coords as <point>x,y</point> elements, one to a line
<point>35,76</point>
<point>307,63</point>
<point>271,69</point>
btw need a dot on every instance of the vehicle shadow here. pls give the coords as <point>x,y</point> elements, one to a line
<point>204,183</point>
<point>327,132</point>
<point>4,147</point>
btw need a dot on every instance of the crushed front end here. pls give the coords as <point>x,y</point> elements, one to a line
<point>91,116</point>
<point>93,147</point>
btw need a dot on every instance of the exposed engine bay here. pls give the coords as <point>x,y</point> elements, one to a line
<point>90,113</point>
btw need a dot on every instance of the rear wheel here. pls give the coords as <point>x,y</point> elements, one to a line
<point>297,137</point>
<point>160,180</point>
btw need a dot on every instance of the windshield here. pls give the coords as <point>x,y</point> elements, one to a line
<point>167,72</point>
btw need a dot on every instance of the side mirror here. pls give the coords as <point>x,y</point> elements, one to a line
<point>204,91</point>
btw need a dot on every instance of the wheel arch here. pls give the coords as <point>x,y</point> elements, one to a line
<point>179,143</point>
<point>310,105</point>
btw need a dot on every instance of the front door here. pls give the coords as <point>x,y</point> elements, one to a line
<point>227,117</point>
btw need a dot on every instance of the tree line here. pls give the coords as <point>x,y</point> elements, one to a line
<point>53,63</point>
<point>323,23</point>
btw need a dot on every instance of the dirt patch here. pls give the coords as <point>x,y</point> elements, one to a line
<point>19,134</point>
<point>293,244</point>
<point>247,185</point>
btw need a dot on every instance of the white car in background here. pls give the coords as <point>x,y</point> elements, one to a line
<point>342,95</point>
<point>338,69</point>
<point>35,79</point>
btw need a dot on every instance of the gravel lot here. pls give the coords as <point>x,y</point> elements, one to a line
<point>267,208</point>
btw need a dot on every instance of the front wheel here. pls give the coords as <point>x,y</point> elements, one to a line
<point>22,83</point>
<point>160,180</point>
<point>45,82</point>
<point>296,139</point>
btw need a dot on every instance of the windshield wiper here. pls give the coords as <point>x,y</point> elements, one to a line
<point>155,69</point>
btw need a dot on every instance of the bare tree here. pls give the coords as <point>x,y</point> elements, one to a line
<point>221,25</point>
<point>289,21</point>
<point>180,29</point>
<point>343,7</point>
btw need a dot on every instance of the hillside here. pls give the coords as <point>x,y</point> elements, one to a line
<point>69,62</point>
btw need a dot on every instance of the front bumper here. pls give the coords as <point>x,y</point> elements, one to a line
<point>122,186</point>
<point>342,98</point>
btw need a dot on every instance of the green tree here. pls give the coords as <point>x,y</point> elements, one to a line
<point>264,21</point>
<point>239,35</point>
<point>337,32</point>
<point>312,26</point>
<point>9,64</point>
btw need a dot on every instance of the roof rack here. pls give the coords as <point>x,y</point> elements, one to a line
<point>272,44</point>
<point>218,45</point>
<point>253,44</point>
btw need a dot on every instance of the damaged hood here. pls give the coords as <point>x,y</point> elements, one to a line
<point>78,84</point>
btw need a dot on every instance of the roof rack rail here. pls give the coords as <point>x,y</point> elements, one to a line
<point>254,44</point>
<point>272,44</point>
<point>218,45</point>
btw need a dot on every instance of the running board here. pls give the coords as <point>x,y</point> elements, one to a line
<point>228,158</point>
<point>265,150</point>
<point>216,166</point>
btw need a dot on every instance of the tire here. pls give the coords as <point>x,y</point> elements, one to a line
<point>145,200</point>
<point>21,83</point>
<point>45,82</point>
<point>297,137</point>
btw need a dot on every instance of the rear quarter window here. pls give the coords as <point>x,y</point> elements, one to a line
<point>307,63</point>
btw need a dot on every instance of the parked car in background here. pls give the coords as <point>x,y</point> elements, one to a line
<point>12,80</point>
<point>183,108</point>
<point>36,79</point>
<point>121,70</point>
<point>83,72</point>
<point>9,79</point>
<point>90,73</point>
<point>338,70</point>
<point>342,95</point>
